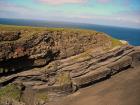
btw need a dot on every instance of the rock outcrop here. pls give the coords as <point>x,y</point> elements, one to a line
<point>60,61</point>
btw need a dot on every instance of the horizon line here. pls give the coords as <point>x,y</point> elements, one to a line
<point>118,26</point>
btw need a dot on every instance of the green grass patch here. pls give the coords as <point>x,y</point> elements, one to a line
<point>116,42</point>
<point>10,91</point>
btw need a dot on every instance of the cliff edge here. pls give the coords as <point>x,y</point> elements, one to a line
<point>37,64</point>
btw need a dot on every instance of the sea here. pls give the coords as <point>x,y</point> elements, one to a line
<point>131,35</point>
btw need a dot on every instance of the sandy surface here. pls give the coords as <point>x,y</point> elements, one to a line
<point>121,89</point>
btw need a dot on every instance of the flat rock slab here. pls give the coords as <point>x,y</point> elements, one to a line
<point>121,89</point>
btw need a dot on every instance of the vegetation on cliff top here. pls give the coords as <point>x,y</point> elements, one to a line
<point>28,32</point>
<point>20,41</point>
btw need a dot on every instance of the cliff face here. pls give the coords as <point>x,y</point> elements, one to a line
<point>38,46</point>
<point>42,61</point>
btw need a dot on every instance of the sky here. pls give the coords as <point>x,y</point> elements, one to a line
<point>125,13</point>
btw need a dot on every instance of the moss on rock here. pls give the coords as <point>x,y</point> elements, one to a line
<point>11,91</point>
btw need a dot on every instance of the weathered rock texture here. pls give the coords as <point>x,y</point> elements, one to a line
<point>60,60</point>
<point>31,47</point>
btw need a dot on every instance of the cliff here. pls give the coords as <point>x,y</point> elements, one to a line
<point>43,62</point>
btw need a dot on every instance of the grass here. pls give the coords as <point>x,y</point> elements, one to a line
<point>11,91</point>
<point>63,78</point>
<point>42,96</point>
<point>30,28</point>
<point>15,27</point>
<point>18,28</point>
<point>116,42</point>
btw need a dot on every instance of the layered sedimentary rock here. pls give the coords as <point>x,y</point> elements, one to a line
<point>44,60</point>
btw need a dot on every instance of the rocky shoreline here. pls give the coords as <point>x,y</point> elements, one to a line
<point>46,63</point>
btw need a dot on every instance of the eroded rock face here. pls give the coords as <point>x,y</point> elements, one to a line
<point>28,48</point>
<point>68,74</point>
<point>9,35</point>
<point>60,61</point>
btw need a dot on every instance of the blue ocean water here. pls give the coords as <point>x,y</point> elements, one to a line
<point>129,34</point>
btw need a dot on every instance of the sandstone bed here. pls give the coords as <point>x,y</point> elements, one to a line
<point>44,63</point>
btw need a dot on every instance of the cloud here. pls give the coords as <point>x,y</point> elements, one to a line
<point>104,1</point>
<point>59,2</point>
<point>8,10</point>
<point>119,19</point>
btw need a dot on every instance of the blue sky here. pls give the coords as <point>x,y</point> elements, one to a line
<point>107,12</point>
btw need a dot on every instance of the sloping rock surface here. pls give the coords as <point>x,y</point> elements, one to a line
<point>60,60</point>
